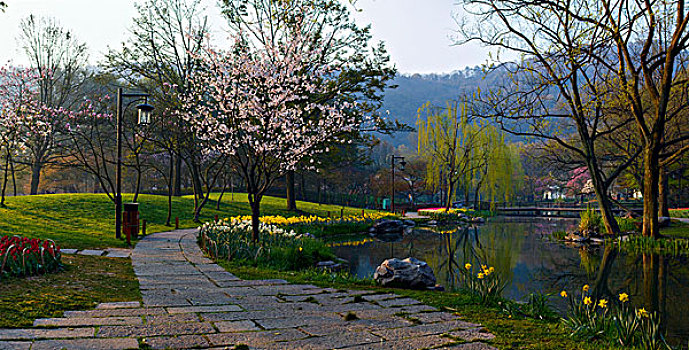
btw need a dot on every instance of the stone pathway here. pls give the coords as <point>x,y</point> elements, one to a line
<point>110,252</point>
<point>190,302</point>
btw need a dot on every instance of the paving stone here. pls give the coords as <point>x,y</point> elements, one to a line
<point>255,338</point>
<point>162,319</point>
<point>426,329</point>
<point>376,297</point>
<point>239,291</point>
<point>426,342</point>
<point>155,330</point>
<point>236,326</point>
<point>91,252</point>
<point>179,342</point>
<point>334,341</point>
<point>83,322</point>
<point>472,335</point>
<point>29,334</point>
<point>115,313</point>
<point>118,253</point>
<point>430,317</point>
<point>119,305</point>
<point>15,345</point>
<point>165,300</point>
<point>250,283</point>
<point>398,302</point>
<point>217,308</point>
<point>68,252</point>
<point>87,344</point>
<point>474,346</point>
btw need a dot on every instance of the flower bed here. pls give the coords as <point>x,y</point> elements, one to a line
<point>231,239</point>
<point>441,214</point>
<point>320,226</point>
<point>21,256</point>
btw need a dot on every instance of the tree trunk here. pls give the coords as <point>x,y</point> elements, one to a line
<point>138,186</point>
<point>4,182</point>
<point>651,178</point>
<point>289,184</point>
<point>36,168</point>
<point>663,195</point>
<point>450,190</point>
<point>255,203</point>
<point>604,204</point>
<point>224,188</point>
<point>177,182</point>
<point>302,187</point>
<point>14,178</point>
<point>170,191</point>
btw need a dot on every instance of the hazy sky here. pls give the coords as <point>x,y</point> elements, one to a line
<point>416,32</point>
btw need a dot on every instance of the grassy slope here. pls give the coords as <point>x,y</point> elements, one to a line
<point>86,281</point>
<point>87,220</point>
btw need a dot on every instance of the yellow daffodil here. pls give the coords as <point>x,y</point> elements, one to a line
<point>563,294</point>
<point>624,297</point>
<point>484,267</point>
<point>602,303</point>
<point>585,288</point>
<point>491,269</point>
<point>641,313</point>
<point>301,249</point>
<point>481,275</point>
<point>467,266</point>
<point>587,301</point>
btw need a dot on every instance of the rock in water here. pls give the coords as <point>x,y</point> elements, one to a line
<point>407,273</point>
<point>384,226</point>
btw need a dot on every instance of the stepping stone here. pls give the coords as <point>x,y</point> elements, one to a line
<point>83,322</point>
<point>87,344</point>
<point>119,305</point>
<point>68,252</point>
<point>91,252</point>
<point>15,345</point>
<point>37,333</point>
<point>218,308</point>
<point>118,253</point>
<point>179,342</point>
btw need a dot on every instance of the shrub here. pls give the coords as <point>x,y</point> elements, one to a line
<point>590,221</point>
<point>440,214</point>
<point>21,256</point>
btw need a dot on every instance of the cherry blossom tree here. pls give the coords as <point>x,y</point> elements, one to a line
<point>253,106</point>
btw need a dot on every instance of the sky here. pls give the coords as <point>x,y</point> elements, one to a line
<point>417,33</point>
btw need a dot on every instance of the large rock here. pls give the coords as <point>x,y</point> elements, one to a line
<point>407,273</point>
<point>386,227</point>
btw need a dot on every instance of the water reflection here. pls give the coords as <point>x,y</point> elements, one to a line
<point>522,252</point>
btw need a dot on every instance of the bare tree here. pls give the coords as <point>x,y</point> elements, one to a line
<point>60,60</point>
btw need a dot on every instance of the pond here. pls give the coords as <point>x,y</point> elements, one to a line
<point>522,250</point>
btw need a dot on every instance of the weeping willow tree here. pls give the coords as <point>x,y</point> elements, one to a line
<point>464,154</point>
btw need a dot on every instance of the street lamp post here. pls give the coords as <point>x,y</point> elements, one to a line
<point>144,119</point>
<point>392,166</point>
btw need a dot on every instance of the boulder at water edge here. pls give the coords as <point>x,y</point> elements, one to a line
<point>386,227</point>
<point>407,273</point>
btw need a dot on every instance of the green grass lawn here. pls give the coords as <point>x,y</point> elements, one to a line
<point>88,220</point>
<point>677,229</point>
<point>85,282</point>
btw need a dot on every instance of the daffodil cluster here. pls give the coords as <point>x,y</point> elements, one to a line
<point>485,283</point>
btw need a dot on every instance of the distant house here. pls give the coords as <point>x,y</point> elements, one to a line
<point>554,193</point>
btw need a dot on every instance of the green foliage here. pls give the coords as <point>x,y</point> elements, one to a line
<point>586,317</point>
<point>638,244</point>
<point>466,154</point>
<point>486,283</point>
<point>537,306</point>
<point>627,224</point>
<point>277,247</point>
<point>591,221</point>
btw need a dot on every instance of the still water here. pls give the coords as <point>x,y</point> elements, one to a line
<point>523,252</point>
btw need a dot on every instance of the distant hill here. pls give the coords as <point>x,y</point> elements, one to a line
<point>414,90</point>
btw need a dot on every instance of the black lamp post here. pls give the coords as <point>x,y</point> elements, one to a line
<point>392,166</point>
<point>144,119</point>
